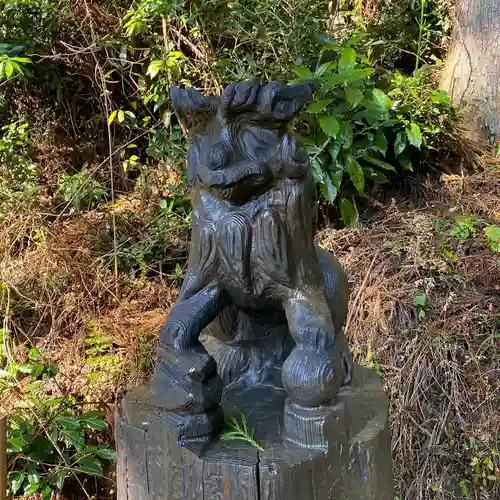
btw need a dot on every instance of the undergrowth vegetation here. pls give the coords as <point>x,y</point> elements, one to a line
<point>95,218</point>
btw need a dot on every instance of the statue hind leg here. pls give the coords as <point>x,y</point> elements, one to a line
<point>336,289</point>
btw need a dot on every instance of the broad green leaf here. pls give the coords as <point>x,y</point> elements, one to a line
<point>112,116</point>
<point>91,465</point>
<point>328,189</point>
<point>347,59</point>
<point>353,96</point>
<point>493,235</point>
<point>349,76</point>
<point>303,73</point>
<point>33,369</point>
<point>32,488</point>
<point>25,368</point>
<point>440,97</point>
<point>34,386</point>
<point>334,148</point>
<point>318,106</point>
<point>178,270</point>
<point>420,300</point>
<point>349,212</point>
<point>404,161</point>
<point>317,170</point>
<point>390,122</point>
<point>329,125</point>
<point>16,480</point>
<point>94,423</point>
<point>378,163</point>
<point>346,135</point>
<point>381,142</point>
<point>400,143</point>
<point>335,80</point>
<point>381,99</point>
<point>34,354</point>
<point>15,444</point>
<point>336,176</point>
<point>354,39</point>
<point>172,64</point>
<point>46,492</point>
<point>372,114</point>
<point>356,74</point>
<point>175,54</point>
<point>60,478</point>
<point>322,69</point>
<point>101,451</point>
<point>53,433</point>
<point>154,68</point>
<point>67,422</point>
<point>355,172</point>
<point>17,68</point>
<point>159,102</point>
<point>121,116</point>
<point>9,69</point>
<point>375,175</point>
<point>22,60</point>
<point>33,474</point>
<point>73,438</point>
<point>414,135</point>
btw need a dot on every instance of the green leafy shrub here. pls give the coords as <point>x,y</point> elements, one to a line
<point>400,33</point>
<point>493,235</point>
<point>361,130</point>
<point>11,64</point>
<point>80,190</point>
<point>158,249</point>
<point>49,439</point>
<point>47,450</point>
<point>209,44</point>
<point>31,23</point>
<point>18,173</point>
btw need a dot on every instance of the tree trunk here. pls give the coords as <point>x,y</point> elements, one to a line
<point>472,71</point>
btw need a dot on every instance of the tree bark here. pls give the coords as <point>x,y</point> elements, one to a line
<point>472,71</point>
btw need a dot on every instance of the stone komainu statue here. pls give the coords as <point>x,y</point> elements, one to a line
<point>268,305</point>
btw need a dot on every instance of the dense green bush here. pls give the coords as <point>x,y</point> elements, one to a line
<point>18,173</point>
<point>363,127</point>
<point>51,440</point>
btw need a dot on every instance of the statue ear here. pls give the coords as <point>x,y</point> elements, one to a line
<point>288,100</point>
<point>192,108</point>
<point>240,97</point>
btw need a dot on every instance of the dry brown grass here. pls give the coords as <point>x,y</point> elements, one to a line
<point>442,372</point>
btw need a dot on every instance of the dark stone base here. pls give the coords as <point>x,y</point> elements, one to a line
<point>348,455</point>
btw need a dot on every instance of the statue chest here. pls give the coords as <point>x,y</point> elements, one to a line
<point>252,253</point>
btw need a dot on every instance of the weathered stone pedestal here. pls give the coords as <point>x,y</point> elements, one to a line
<point>350,458</point>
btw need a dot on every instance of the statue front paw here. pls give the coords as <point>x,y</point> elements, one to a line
<point>181,392</point>
<point>311,376</point>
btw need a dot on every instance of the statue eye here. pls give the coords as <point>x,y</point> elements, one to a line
<point>216,159</point>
